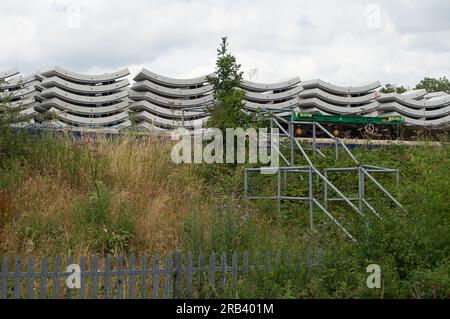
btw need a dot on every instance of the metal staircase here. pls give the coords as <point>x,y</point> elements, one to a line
<point>319,198</point>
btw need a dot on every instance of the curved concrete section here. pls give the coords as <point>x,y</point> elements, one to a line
<point>82,99</point>
<point>84,78</point>
<point>169,123</point>
<point>87,121</point>
<point>419,104</point>
<point>24,103</point>
<point>252,106</point>
<point>328,87</point>
<point>167,102</point>
<point>80,88</point>
<point>77,109</point>
<point>264,87</point>
<point>415,94</point>
<point>145,74</point>
<point>19,81</point>
<point>338,99</point>
<point>269,97</point>
<point>7,74</point>
<point>415,113</point>
<point>433,95</point>
<point>147,86</point>
<point>338,110</point>
<point>19,92</point>
<point>165,112</point>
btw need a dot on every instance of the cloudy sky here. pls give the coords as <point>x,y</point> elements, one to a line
<point>347,42</point>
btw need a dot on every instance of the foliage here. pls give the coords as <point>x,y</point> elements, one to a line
<point>63,196</point>
<point>390,88</point>
<point>96,225</point>
<point>434,85</point>
<point>227,111</point>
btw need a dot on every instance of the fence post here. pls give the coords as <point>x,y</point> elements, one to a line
<point>234,265</point>
<point>120,277</point>
<point>144,277</point>
<point>4,289</point>
<point>43,283</point>
<point>95,277</point>
<point>278,258</point>
<point>56,277</point>
<point>68,290</point>
<point>83,277</point>
<point>189,275</point>
<point>212,269</point>
<point>17,276</point>
<point>168,279</point>
<point>201,265</point>
<point>178,272</point>
<point>30,283</point>
<point>155,277</point>
<point>131,277</point>
<point>107,276</point>
<point>309,257</point>
<point>223,264</point>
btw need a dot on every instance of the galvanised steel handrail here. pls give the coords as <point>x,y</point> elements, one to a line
<point>362,169</point>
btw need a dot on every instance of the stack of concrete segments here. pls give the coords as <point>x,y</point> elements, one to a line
<point>418,107</point>
<point>164,103</point>
<point>325,98</point>
<point>280,97</point>
<point>156,102</point>
<point>19,92</point>
<point>80,100</point>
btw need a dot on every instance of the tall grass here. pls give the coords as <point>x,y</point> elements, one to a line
<point>96,195</point>
<point>59,194</point>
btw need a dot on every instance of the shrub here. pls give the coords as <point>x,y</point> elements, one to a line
<point>96,226</point>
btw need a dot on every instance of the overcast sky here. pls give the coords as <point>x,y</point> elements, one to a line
<point>346,42</point>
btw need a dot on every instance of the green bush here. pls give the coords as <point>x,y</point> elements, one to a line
<point>96,225</point>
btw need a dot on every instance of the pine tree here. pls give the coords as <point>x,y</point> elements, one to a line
<point>228,108</point>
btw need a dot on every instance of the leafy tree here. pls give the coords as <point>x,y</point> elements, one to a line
<point>227,111</point>
<point>434,85</point>
<point>390,88</point>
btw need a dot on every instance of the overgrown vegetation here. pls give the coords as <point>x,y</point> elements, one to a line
<point>64,196</point>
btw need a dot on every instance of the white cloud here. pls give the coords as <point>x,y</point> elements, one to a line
<point>327,39</point>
